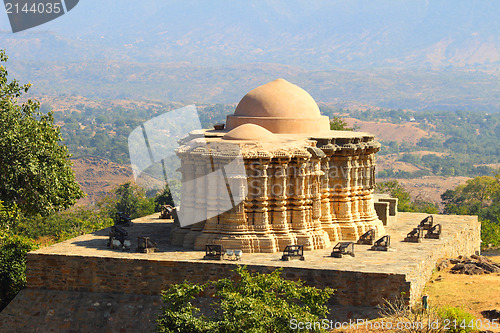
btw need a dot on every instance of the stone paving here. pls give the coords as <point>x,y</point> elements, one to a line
<point>403,258</point>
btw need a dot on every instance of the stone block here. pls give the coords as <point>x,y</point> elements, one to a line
<point>393,205</point>
<point>382,209</point>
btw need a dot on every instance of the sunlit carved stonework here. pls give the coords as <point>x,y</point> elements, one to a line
<point>304,184</point>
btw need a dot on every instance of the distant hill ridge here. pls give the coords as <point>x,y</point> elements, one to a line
<point>419,54</point>
<point>306,33</point>
<point>188,84</point>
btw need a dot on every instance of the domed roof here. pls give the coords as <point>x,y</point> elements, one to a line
<point>278,98</point>
<point>250,132</point>
<point>279,107</point>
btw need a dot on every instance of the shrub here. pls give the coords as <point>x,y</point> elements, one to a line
<point>411,319</point>
<point>432,320</point>
<point>13,251</point>
<point>457,320</point>
<point>427,207</point>
<point>339,124</point>
<point>64,225</point>
<point>254,303</point>
<point>164,197</point>
<point>490,234</point>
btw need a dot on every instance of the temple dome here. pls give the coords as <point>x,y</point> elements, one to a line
<point>278,98</point>
<point>280,107</point>
<point>250,132</point>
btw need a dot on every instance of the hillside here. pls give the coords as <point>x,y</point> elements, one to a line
<point>428,152</point>
<point>423,55</point>
<point>311,34</point>
<point>407,132</point>
<point>429,188</point>
<point>97,177</point>
<point>387,88</point>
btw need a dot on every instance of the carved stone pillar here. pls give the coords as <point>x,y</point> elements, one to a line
<point>203,166</point>
<point>186,204</point>
<point>279,213</point>
<point>261,228</point>
<point>326,189</point>
<point>320,236</point>
<point>301,203</point>
<point>342,198</point>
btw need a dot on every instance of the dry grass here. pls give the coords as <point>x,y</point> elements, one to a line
<point>390,161</point>
<point>98,176</point>
<point>474,293</point>
<point>407,132</point>
<point>429,188</point>
<point>44,241</point>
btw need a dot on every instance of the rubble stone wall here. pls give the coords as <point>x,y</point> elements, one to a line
<point>150,277</point>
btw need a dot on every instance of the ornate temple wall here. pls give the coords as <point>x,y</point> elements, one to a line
<point>313,192</point>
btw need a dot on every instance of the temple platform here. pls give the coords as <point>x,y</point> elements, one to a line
<point>118,291</point>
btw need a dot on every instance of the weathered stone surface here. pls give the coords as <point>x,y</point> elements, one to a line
<point>38,310</point>
<point>86,264</point>
<point>472,265</point>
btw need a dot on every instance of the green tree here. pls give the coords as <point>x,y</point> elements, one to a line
<point>396,190</point>
<point>490,234</point>
<point>339,124</point>
<point>36,173</point>
<point>479,196</point>
<point>127,198</point>
<point>425,207</point>
<point>9,216</point>
<point>251,303</point>
<point>63,225</point>
<point>163,198</point>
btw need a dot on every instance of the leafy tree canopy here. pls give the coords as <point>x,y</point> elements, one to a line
<point>13,251</point>
<point>36,172</point>
<point>127,198</point>
<point>252,303</point>
<point>339,124</point>
<point>479,196</point>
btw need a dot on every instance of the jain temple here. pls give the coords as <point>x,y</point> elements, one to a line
<point>303,183</point>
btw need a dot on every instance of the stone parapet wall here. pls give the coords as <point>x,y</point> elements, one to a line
<point>465,242</point>
<point>150,277</point>
<point>70,284</point>
<point>80,285</point>
<point>85,264</point>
